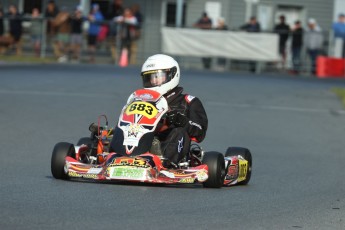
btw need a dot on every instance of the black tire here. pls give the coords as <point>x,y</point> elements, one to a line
<point>245,153</point>
<point>85,140</point>
<point>216,169</point>
<point>61,150</point>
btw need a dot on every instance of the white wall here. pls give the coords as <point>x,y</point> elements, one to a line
<point>339,7</point>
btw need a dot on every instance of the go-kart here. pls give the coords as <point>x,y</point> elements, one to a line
<point>134,155</point>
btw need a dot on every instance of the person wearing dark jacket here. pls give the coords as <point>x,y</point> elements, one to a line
<point>253,26</point>
<point>2,38</point>
<point>1,22</point>
<point>296,46</point>
<point>283,30</point>
<point>115,10</point>
<point>205,23</point>
<point>51,12</point>
<point>186,119</point>
<point>15,27</point>
<point>76,20</point>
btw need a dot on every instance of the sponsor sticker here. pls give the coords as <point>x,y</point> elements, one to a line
<point>94,170</point>
<point>202,176</point>
<point>180,145</point>
<point>86,175</point>
<point>128,173</point>
<point>195,124</point>
<point>189,98</point>
<point>133,130</point>
<point>131,141</point>
<point>187,180</point>
<point>126,161</point>
<point>167,174</point>
<point>232,172</point>
<point>146,96</point>
<point>242,170</point>
<point>150,65</point>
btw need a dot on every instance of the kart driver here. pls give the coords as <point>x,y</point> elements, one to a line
<point>186,118</point>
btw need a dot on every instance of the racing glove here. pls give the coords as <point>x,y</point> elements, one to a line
<point>176,118</point>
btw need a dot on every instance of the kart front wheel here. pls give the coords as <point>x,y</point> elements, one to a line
<point>61,150</point>
<point>216,169</point>
<point>245,153</point>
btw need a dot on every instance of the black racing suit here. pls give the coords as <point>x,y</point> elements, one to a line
<point>175,141</point>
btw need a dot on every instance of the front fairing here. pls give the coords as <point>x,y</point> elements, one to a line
<point>139,119</point>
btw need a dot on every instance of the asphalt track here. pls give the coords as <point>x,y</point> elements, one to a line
<point>293,126</point>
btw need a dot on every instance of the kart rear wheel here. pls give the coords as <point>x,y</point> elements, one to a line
<point>61,150</point>
<point>216,169</point>
<point>245,153</point>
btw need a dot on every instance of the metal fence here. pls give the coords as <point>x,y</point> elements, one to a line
<point>109,51</point>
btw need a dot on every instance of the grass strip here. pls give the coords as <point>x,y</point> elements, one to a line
<point>26,59</point>
<point>340,92</point>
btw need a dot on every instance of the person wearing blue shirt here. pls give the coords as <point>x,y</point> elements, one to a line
<point>95,18</point>
<point>339,30</point>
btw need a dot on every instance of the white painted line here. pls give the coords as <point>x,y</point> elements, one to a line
<point>278,108</point>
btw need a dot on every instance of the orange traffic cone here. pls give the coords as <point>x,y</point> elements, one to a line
<point>124,58</point>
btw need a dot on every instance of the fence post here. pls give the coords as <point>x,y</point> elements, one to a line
<point>43,38</point>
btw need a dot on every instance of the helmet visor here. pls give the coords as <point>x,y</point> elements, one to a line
<point>155,78</point>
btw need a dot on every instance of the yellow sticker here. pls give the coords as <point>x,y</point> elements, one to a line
<point>187,180</point>
<point>143,108</point>
<point>242,170</point>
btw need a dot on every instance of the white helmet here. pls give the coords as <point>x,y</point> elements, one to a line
<point>160,73</point>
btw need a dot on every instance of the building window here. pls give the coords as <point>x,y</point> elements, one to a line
<point>171,14</point>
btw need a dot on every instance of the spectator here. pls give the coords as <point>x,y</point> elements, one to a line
<point>3,42</point>
<point>313,41</point>
<point>204,23</point>
<point>115,10</point>
<point>221,61</point>
<point>296,46</point>
<point>140,19</point>
<point>95,18</point>
<point>36,30</point>
<point>15,25</point>
<point>253,27</point>
<point>76,21</point>
<point>50,13</point>
<point>128,30</point>
<point>1,22</point>
<point>282,29</point>
<point>63,28</point>
<point>339,30</point>
<point>137,13</point>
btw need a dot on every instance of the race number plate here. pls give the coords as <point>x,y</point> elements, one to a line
<point>143,108</point>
